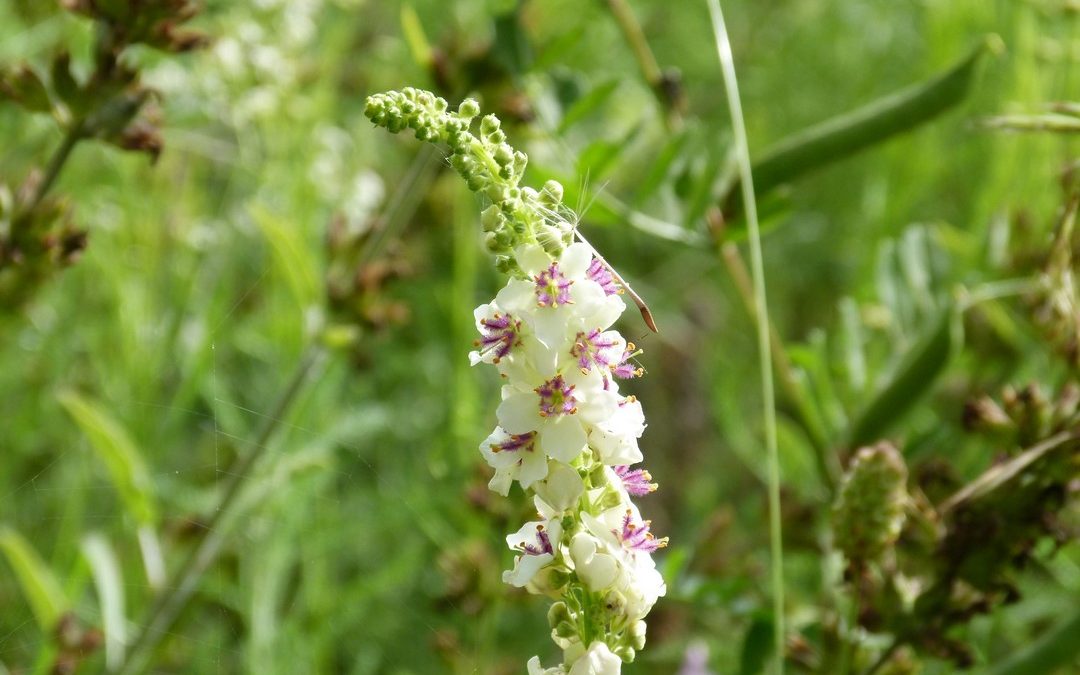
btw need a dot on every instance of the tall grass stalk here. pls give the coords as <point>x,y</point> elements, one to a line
<point>761,321</point>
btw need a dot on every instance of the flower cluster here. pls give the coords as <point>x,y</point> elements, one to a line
<point>565,432</point>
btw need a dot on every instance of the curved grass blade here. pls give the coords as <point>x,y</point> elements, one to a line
<point>118,452</point>
<point>39,585</point>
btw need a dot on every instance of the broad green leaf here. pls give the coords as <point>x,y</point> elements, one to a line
<point>757,645</point>
<point>117,451</point>
<point>916,374</point>
<point>1055,649</point>
<point>294,259</point>
<point>851,132</point>
<point>108,581</point>
<point>587,104</point>
<point>38,584</point>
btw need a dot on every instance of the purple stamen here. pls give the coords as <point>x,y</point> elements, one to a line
<point>589,350</point>
<point>637,482</point>
<point>542,546</point>
<point>556,398</point>
<point>625,370</point>
<point>500,335</point>
<point>516,442</point>
<point>552,288</point>
<point>638,537</point>
<point>600,273</point>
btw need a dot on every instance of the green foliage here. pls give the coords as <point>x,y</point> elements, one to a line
<point>364,541</point>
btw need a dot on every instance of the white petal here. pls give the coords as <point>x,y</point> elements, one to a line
<point>517,297</point>
<point>597,661</point>
<point>519,413</point>
<point>552,327</point>
<point>499,460</point>
<point>562,438</point>
<point>525,568</point>
<point>533,467</point>
<point>562,488</point>
<point>500,482</point>
<point>599,406</point>
<point>532,258</point>
<point>575,260</point>
<point>587,296</point>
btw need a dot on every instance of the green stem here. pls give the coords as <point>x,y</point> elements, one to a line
<point>731,86</point>
<point>56,163</point>
<point>827,464</point>
<point>650,69</point>
<point>182,585</point>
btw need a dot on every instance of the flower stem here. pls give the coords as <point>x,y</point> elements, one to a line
<point>650,69</point>
<point>182,585</point>
<point>56,164</point>
<point>827,464</point>
<point>731,86</point>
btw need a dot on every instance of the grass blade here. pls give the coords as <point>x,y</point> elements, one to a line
<point>39,585</point>
<point>1053,650</point>
<point>108,581</point>
<point>118,452</point>
<point>757,268</point>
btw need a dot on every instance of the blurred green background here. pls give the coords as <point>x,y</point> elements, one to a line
<point>366,541</point>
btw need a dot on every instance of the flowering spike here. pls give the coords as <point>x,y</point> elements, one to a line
<point>564,430</point>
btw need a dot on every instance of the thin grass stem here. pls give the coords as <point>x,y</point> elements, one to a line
<point>742,151</point>
<point>183,584</point>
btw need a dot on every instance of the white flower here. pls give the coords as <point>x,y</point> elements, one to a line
<point>508,342</point>
<point>595,563</point>
<point>561,489</point>
<point>620,534</point>
<point>557,409</point>
<point>598,660</point>
<point>615,439</point>
<point>537,541</point>
<point>514,457</point>
<point>558,298</point>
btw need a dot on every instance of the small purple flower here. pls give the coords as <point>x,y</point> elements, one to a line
<point>500,335</point>
<point>556,398</point>
<point>637,482</point>
<point>542,545</point>
<point>600,273</point>
<point>552,287</point>
<point>637,537</point>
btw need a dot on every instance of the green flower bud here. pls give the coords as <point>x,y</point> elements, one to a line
<point>869,510</point>
<point>492,219</point>
<point>558,613</point>
<point>552,194</point>
<point>468,109</point>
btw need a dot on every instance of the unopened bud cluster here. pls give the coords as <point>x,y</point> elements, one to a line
<point>565,433</point>
<point>491,167</point>
<point>869,510</point>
